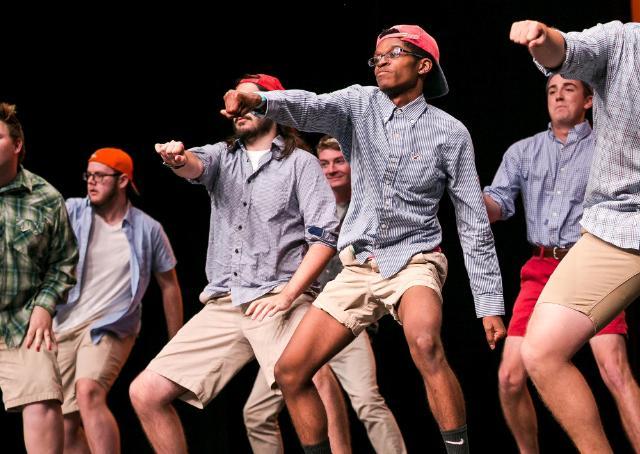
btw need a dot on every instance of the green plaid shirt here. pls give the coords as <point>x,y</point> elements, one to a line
<point>38,253</point>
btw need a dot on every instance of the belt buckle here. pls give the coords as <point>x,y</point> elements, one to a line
<point>554,252</point>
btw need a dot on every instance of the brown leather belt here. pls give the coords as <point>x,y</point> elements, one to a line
<point>555,252</point>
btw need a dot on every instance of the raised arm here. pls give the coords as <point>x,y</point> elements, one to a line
<point>546,44</point>
<point>182,162</point>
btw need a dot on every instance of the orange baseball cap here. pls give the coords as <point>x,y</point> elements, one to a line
<point>118,160</point>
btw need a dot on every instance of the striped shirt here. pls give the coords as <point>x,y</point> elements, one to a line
<point>552,177</point>
<point>38,253</point>
<point>402,159</point>
<point>262,221</point>
<point>608,58</point>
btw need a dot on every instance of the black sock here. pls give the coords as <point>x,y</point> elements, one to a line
<point>321,448</point>
<point>456,441</point>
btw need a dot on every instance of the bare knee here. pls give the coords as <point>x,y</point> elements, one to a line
<point>150,390</point>
<point>615,374</point>
<point>90,394</point>
<point>43,411</point>
<point>289,376</point>
<point>426,351</point>
<point>536,360</point>
<point>512,380</point>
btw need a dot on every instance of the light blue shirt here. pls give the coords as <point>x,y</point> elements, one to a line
<point>150,253</point>
<point>552,177</point>
<point>402,161</point>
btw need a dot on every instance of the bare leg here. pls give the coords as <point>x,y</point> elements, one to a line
<point>554,334</point>
<point>151,395</point>
<point>317,339</point>
<point>43,428</point>
<point>610,353</point>
<point>337,417</point>
<point>100,426</point>
<point>515,399</point>
<point>421,314</point>
<point>75,441</point>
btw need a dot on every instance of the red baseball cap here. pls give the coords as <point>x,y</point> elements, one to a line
<point>263,80</point>
<point>118,160</point>
<point>436,85</point>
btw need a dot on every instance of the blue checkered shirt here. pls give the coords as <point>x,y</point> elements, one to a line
<point>552,177</point>
<point>402,160</point>
<point>608,58</point>
<point>262,221</point>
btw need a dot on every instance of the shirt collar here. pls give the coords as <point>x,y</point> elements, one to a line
<point>579,131</point>
<point>128,217</point>
<point>277,146</point>
<point>413,110</point>
<point>22,181</point>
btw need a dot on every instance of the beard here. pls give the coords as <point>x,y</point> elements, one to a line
<point>260,128</point>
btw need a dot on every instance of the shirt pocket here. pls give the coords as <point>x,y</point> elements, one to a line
<point>28,236</point>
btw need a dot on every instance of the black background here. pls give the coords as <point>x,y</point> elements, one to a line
<point>109,75</point>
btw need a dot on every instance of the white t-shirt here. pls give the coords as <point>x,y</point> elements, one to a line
<point>106,283</point>
<point>255,155</point>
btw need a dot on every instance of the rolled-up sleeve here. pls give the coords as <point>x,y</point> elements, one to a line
<point>474,230</point>
<point>210,156</point>
<point>587,53</point>
<point>317,204</point>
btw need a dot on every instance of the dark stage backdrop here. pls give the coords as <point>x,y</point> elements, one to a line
<point>107,76</point>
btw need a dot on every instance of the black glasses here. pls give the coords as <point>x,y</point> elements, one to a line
<point>98,176</point>
<point>391,55</point>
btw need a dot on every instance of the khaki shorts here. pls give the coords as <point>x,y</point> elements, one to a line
<point>79,357</point>
<point>596,278</point>
<point>359,296</point>
<point>28,376</point>
<point>219,340</point>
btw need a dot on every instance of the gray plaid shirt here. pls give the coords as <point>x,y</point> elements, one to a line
<point>262,221</point>
<point>608,57</point>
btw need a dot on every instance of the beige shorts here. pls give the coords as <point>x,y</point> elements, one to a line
<point>28,376</point>
<point>219,340</point>
<point>359,296</point>
<point>596,278</point>
<point>79,357</point>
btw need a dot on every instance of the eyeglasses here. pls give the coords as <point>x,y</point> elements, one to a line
<point>391,55</point>
<point>98,176</point>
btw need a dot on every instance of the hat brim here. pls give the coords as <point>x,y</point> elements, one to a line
<point>435,84</point>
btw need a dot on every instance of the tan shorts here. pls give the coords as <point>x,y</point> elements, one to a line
<point>219,340</point>
<point>28,376</point>
<point>359,296</point>
<point>596,278</point>
<point>79,357</point>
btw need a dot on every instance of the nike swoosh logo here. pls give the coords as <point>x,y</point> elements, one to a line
<point>461,442</point>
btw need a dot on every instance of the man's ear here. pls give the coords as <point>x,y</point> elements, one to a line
<point>425,66</point>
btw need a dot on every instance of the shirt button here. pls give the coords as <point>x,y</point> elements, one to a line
<point>239,227</point>
<point>235,274</point>
<point>244,204</point>
<point>559,192</point>
<point>236,251</point>
<point>555,214</point>
<point>383,226</point>
<point>561,169</point>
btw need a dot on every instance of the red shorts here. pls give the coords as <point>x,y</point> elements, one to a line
<point>533,277</point>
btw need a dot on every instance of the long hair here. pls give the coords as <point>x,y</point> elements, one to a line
<point>291,136</point>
